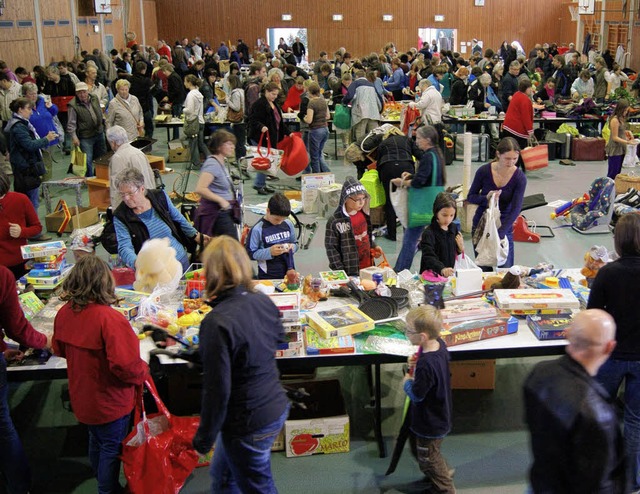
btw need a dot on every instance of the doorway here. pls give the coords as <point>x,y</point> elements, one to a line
<point>289,34</point>
<point>445,39</point>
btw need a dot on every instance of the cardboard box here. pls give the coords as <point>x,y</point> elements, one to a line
<point>178,153</point>
<point>84,217</point>
<point>328,199</point>
<point>43,250</point>
<point>323,427</point>
<point>473,374</point>
<point>466,281</point>
<point>309,185</point>
<point>377,216</point>
<point>102,170</point>
<point>99,193</point>
<point>156,162</point>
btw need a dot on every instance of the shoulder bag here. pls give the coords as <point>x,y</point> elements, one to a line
<point>420,203</point>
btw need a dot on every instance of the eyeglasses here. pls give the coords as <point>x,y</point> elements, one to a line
<point>358,199</point>
<point>124,195</point>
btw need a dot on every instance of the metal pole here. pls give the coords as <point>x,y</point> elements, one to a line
<point>38,21</point>
<point>74,27</point>
<point>144,37</point>
<point>603,42</point>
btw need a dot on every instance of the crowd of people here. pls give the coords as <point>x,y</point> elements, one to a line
<point>102,99</point>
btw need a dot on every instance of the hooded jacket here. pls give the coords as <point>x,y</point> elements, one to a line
<point>339,240</point>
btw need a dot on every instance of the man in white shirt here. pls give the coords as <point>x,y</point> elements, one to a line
<point>125,156</point>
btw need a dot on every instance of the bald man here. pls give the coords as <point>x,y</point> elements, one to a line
<point>576,442</point>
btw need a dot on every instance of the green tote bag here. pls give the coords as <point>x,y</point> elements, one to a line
<point>421,201</point>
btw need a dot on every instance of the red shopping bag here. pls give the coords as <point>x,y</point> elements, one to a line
<point>295,158</point>
<point>157,455</point>
<point>535,157</point>
<point>262,162</point>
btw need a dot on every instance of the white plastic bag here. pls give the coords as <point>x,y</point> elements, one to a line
<point>630,158</point>
<point>492,251</point>
<point>399,197</point>
<point>464,262</point>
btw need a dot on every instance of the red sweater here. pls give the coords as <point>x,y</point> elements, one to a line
<point>16,208</point>
<point>519,117</point>
<point>12,318</point>
<point>103,361</point>
<point>293,99</point>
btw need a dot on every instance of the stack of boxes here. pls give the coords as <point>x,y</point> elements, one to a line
<point>47,263</point>
<point>288,305</point>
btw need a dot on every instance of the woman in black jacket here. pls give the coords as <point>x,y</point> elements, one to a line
<point>266,118</point>
<point>459,87</point>
<point>176,95</point>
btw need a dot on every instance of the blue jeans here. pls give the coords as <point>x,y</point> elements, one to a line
<point>242,464</point>
<point>105,447</point>
<point>14,466</point>
<point>611,375</point>
<point>93,146</point>
<point>317,139</point>
<point>410,242</point>
<point>34,197</point>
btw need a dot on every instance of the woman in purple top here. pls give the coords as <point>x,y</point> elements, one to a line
<point>501,177</point>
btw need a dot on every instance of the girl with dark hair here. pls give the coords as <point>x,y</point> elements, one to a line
<point>503,178</point>
<point>432,161</point>
<point>441,240</point>
<point>615,290</point>
<point>103,364</point>
<point>619,139</point>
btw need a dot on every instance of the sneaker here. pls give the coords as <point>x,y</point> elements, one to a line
<point>633,201</point>
<point>270,190</point>
<point>263,191</point>
<point>625,195</point>
<point>272,178</point>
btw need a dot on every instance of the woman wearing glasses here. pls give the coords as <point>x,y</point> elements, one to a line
<point>144,214</point>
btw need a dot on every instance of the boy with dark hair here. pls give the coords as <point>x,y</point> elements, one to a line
<point>272,240</point>
<point>348,238</point>
<point>428,386</point>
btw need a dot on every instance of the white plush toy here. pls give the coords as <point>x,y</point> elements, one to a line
<point>156,264</point>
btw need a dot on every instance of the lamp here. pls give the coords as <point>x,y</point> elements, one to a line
<point>337,17</point>
<point>387,17</point>
<point>286,17</point>
<point>438,18</point>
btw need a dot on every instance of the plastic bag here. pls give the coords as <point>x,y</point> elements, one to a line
<point>157,455</point>
<point>630,157</point>
<point>78,162</point>
<point>464,262</point>
<point>399,197</point>
<point>492,251</point>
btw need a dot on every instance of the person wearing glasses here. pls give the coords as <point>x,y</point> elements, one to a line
<point>145,214</point>
<point>348,237</point>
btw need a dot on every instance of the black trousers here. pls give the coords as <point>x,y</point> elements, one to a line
<point>387,172</point>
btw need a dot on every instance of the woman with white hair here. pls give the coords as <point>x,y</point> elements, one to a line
<point>430,103</point>
<point>478,93</point>
<point>125,110</point>
<point>126,156</point>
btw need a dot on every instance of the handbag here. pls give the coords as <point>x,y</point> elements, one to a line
<point>191,127</point>
<point>342,117</point>
<point>535,156</point>
<point>157,455</point>
<point>295,158</point>
<point>235,116</point>
<point>492,251</point>
<point>421,200</point>
<point>78,162</point>
<point>399,197</point>
<point>370,180</point>
<point>267,160</point>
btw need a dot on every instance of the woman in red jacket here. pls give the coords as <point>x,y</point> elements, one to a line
<point>18,222</point>
<point>518,122</point>
<point>103,364</point>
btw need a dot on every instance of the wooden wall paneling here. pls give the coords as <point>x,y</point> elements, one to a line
<point>150,23</point>
<point>17,44</point>
<point>89,39</point>
<point>362,29</point>
<point>57,39</point>
<point>20,52</point>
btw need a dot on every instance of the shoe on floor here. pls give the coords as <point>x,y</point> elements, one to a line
<point>270,190</point>
<point>263,191</point>
<point>40,238</point>
<point>625,195</point>
<point>270,177</point>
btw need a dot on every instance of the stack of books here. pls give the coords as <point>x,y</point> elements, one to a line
<point>468,320</point>
<point>288,305</point>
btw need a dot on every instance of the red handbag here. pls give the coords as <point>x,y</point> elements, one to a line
<point>295,158</point>
<point>535,156</point>
<point>262,163</point>
<point>157,455</point>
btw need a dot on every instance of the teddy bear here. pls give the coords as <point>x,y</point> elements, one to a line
<point>156,264</point>
<point>597,257</point>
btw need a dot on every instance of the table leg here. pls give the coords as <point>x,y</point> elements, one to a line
<point>79,195</point>
<point>47,196</point>
<point>377,414</point>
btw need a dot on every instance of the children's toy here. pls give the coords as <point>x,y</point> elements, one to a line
<point>511,279</point>
<point>156,265</point>
<point>595,215</point>
<point>566,208</point>
<point>597,257</point>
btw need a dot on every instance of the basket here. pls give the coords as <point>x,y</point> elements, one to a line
<point>624,182</point>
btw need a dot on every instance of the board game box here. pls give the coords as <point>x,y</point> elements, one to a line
<point>466,309</point>
<point>479,329</point>
<point>327,346</point>
<point>549,327</point>
<point>340,321</point>
<point>44,249</point>
<point>531,299</point>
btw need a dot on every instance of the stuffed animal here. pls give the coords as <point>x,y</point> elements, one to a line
<point>156,264</point>
<point>510,280</point>
<point>597,257</point>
